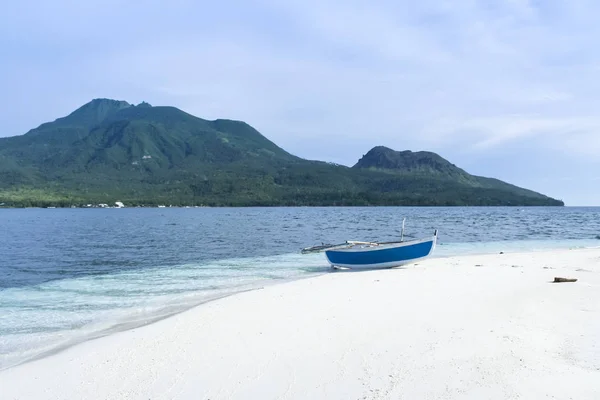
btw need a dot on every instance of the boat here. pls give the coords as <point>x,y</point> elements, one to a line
<point>374,255</point>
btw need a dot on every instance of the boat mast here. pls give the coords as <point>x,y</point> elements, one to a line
<point>402,234</point>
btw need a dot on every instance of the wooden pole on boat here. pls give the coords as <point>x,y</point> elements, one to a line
<point>402,234</point>
<point>353,242</point>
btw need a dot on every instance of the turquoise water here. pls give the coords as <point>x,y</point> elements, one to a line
<point>68,275</point>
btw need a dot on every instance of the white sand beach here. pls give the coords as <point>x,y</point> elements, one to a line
<point>474,327</point>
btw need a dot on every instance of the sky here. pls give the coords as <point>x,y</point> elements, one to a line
<point>507,89</point>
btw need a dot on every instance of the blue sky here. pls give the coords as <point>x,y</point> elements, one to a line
<point>507,89</point>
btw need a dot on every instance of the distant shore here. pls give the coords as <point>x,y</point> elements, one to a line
<point>266,206</point>
<point>491,326</point>
<point>102,205</point>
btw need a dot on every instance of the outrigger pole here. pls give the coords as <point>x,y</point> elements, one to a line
<point>347,243</point>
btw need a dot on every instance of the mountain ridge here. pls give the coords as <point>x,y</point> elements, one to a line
<point>385,159</point>
<point>143,154</point>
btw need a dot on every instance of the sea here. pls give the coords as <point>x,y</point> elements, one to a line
<point>71,275</point>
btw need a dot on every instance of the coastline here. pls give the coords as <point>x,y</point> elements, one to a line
<point>119,327</point>
<point>477,326</point>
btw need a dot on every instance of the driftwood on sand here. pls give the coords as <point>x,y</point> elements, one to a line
<point>559,280</point>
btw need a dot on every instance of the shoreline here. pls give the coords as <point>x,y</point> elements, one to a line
<point>123,326</point>
<point>415,331</point>
<point>79,206</point>
<point>118,328</point>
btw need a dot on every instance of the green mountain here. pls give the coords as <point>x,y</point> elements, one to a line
<point>430,165</point>
<point>110,150</point>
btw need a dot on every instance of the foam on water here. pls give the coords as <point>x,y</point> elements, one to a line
<point>511,246</point>
<point>36,320</point>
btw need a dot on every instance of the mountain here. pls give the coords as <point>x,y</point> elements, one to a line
<point>108,150</point>
<point>421,162</point>
<point>428,164</point>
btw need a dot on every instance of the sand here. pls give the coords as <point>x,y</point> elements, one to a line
<point>476,327</point>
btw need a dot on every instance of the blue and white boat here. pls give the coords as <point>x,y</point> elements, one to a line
<point>374,255</point>
<point>361,255</point>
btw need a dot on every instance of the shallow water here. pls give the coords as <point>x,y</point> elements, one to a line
<point>67,275</point>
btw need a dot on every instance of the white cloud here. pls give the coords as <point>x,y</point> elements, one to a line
<point>572,134</point>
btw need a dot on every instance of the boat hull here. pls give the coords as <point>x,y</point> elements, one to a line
<point>382,256</point>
